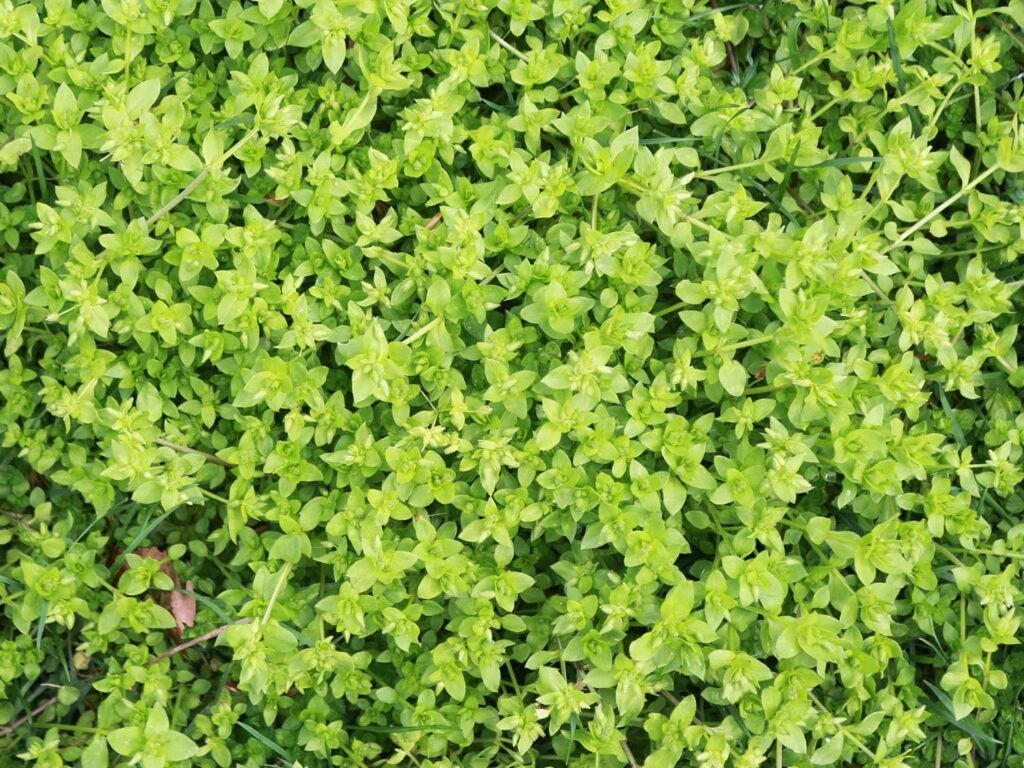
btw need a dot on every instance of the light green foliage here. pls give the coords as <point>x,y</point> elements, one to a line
<point>581,384</point>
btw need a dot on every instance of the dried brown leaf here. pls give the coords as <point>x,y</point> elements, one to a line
<point>182,607</point>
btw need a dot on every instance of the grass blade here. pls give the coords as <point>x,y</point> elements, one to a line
<point>784,182</point>
<point>968,725</point>
<point>954,424</point>
<point>147,529</point>
<point>901,81</point>
<point>272,746</point>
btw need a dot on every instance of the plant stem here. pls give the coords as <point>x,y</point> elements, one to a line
<point>811,62</point>
<point>669,310</point>
<point>963,619</point>
<point>127,59</point>
<point>512,678</point>
<point>857,742</point>
<point>196,641</point>
<point>276,593</point>
<point>422,331</point>
<point>939,209</point>
<point>762,390</point>
<point>730,168</point>
<point>734,346</point>
<point>952,558</point>
<point>501,41</point>
<point>173,202</point>
<point>185,449</point>
<point>7,730</point>
<point>73,728</point>
<point>823,109</point>
<point>993,553</point>
<point>874,286</point>
<point>212,495</point>
<point>629,755</point>
<point>693,221</point>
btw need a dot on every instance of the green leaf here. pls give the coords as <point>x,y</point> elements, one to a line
<point>829,752</point>
<point>305,35</point>
<point>262,739</point>
<point>127,741</point>
<point>334,50</point>
<point>269,8</point>
<point>180,747</point>
<point>531,366</point>
<point>960,163</point>
<point>161,618</point>
<point>95,755</point>
<point>143,96</point>
<point>968,725</point>
<point>733,377</point>
<point>355,119</point>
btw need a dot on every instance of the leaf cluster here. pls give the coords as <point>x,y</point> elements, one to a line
<point>586,384</point>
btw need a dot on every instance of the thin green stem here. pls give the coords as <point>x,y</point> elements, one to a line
<point>963,619</point>
<point>923,222</point>
<point>391,261</point>
<point>853,738</point>
<point>945,102</point>
<point>423,331</point>
<point>669,310</point>
<point>512,679</point>
<point>174,201</point>
<point>737,345</point>
<point>952,558</point>
<point>629,755</point>
<point>212,495</point>
<point>875,287</point>
<point>1003,363</point>
<point>693,221</point>
<point>1009,32</point>
<point>763,390</point>
<point>822,110</point>
<point>944,50</point>
<point>109,587</point>
<point>501,41</point>
<point>275,594</point>
<point>69,728</point>
<point>812,61</point>
<point>824,559</point>
<point>972,252</point>
<point>992,553</point>
<point>185,449</point>
<point>127,59</point>
<point>730,168</point>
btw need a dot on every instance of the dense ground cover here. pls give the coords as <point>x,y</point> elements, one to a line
<point>510,383</point>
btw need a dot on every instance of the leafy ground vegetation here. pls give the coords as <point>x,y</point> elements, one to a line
<point>504,383</point>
